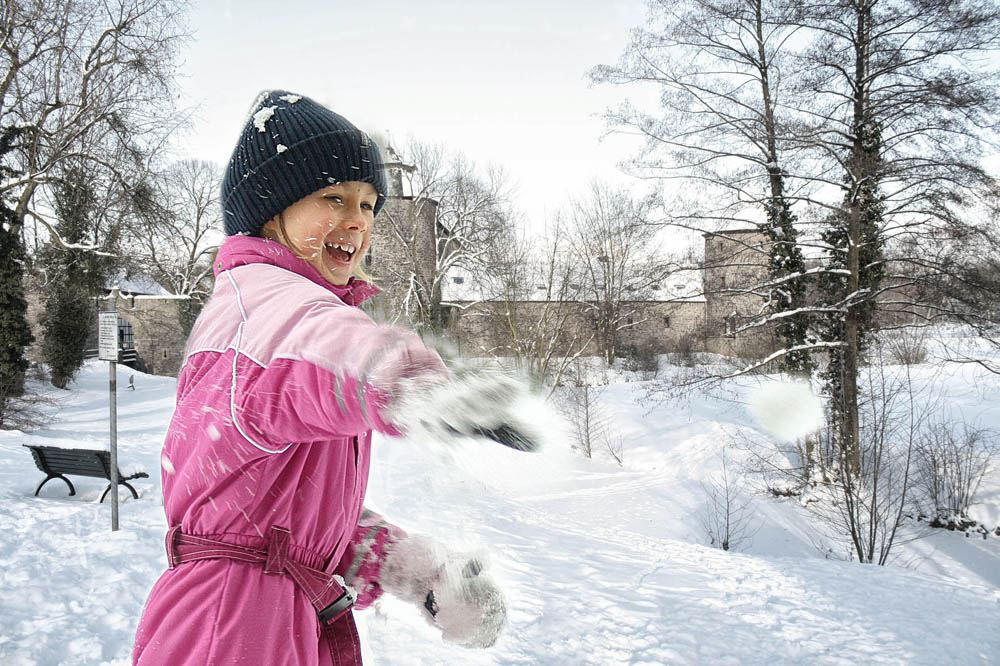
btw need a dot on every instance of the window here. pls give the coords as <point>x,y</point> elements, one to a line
<point>730,326</point>
<point>666,321</point>
<point>458,279</point>
<point>126,338</point>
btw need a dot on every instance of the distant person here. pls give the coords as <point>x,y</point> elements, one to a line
<point>266,459</point>
<point>131,382</point>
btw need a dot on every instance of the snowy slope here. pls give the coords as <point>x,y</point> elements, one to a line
<point>602,564</point>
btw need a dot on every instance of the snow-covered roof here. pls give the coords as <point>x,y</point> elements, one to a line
<point>137,285</point>
<point>459,285</point>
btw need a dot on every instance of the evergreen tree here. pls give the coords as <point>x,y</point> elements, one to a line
<point>15,335</point>
<point>73,277</point>
<point>786,271</point>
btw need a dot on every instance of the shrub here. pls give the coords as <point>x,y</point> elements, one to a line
<point>952,459</point>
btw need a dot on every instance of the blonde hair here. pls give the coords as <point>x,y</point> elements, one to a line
<point>282,237</point>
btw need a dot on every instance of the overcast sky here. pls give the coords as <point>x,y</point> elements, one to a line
<point>504,82</point>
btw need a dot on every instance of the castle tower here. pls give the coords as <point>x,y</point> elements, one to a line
<point>402,257</point>
<point>395,168</point>
<point>736,260</point>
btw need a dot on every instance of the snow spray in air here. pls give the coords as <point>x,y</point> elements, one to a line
<point>786,409</point>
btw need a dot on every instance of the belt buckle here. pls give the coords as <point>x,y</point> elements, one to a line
<point>335,610</point>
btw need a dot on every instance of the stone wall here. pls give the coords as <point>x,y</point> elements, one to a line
<point>498,328</point>
<point>526,327</point>
<point>157,334</point>
<point>665,326</point>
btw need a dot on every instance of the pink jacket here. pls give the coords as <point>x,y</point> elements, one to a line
<point>283,382</point>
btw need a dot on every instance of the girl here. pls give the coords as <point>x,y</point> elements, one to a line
<point>265,463</point>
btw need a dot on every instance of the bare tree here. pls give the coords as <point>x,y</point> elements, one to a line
<point>614,254</point>
<point>579,399</point>
<point>721,126</point>
<point>952,458</point>
<point>527,304</point>
<point>901,108</point>
<point>177,229</point>
<point>90,82</point>
<point>450,214</point>
<point>729,520</point>
<point>867,505</point>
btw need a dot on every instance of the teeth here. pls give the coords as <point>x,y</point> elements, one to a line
<point>349,249</point>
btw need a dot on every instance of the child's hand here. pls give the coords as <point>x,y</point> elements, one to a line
<point>452,590</point>
<point>475,404</point>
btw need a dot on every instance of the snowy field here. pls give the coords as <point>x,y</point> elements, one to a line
<point>602,564</point>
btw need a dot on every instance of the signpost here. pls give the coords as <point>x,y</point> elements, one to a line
<point>107,350</point>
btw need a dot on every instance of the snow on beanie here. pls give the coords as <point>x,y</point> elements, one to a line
<point>291,147</point>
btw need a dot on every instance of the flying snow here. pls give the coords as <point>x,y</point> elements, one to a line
<point>786,409</point>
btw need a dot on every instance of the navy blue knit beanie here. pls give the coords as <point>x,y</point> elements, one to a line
<point>291,147</point>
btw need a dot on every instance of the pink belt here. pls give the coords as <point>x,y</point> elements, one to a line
<point>326,592</point>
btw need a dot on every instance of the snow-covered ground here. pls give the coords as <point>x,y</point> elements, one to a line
<point>602,564</point>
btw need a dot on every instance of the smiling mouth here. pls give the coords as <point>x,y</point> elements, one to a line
<point>341,252</point>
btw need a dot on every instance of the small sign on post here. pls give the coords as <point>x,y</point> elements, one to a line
<point>107,350</point>
<point>107,337</point>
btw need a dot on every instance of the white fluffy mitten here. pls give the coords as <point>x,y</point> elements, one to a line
<point>475,404</point>
<point>452,590</point>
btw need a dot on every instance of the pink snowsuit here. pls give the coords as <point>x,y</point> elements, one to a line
<point>282,384</point>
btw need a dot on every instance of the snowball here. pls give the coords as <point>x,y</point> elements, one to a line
<point>262,117</point>
<point>786,409</point>
<point>281,148</point>
<point>291,99</point>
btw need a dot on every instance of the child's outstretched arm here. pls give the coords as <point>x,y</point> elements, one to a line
<point>307,369</point>
<point>453,591</point>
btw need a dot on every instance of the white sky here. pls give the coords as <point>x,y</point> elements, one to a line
<point>504,82</point>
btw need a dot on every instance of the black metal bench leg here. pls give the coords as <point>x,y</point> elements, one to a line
<point>72,490</point>
<point>135,495</point>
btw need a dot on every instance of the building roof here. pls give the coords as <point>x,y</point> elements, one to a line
<point>460,286</point>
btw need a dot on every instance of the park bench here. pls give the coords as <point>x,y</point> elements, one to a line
<point>56,462</point>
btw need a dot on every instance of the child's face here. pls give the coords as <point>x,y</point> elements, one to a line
<point>331,228</point>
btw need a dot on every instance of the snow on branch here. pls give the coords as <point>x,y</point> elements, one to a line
<point>783,352</point>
